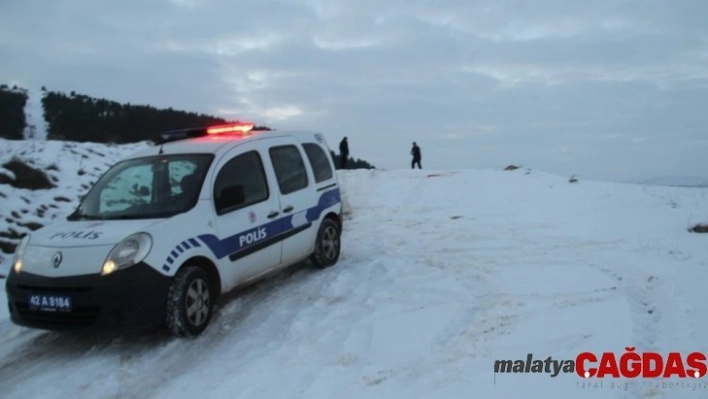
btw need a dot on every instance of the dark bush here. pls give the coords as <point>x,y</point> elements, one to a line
<point>699,228</point>
<point>7,247</point>
<point>31,225</point>
<point>26,176</point>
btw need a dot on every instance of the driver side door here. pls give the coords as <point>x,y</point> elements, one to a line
<point>247,212</point>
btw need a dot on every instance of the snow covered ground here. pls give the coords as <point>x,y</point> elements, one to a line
<point>441,274</point>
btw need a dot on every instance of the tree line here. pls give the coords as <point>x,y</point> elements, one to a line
<point>78,117</point>
<point>12,112</point>
<point>351,162</point>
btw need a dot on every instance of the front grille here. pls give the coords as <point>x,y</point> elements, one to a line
<point>54,289</point>
<point>79,315</point>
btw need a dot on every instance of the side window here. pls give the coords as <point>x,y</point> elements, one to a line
<point>319,162</point>
<point>289,168</point>
<point>240,182</point>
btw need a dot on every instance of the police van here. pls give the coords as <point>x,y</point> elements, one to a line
<point>165,232</point>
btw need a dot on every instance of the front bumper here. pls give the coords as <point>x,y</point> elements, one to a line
<point>126,300</point>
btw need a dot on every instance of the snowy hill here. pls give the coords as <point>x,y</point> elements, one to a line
<point>441,274</point>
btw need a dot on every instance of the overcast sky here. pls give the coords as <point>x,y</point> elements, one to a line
<point>604,89</point>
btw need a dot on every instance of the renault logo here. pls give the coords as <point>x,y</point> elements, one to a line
<point>56,259</point>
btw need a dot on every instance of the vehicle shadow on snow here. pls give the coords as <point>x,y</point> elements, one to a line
<point>55,348</point>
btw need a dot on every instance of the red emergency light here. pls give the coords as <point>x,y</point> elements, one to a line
<point>238,127</point>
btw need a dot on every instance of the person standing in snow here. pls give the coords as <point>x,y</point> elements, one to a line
<point>415,151</point>
<point>343,153</point>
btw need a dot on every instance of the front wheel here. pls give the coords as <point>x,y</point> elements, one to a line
<point>189,302</point>
<point>327,244</point>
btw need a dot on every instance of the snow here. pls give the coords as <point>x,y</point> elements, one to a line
<point>441,274</point>
<point>34,115</point>
<point>678,181</point>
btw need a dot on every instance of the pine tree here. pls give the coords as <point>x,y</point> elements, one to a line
<point>12,112</point>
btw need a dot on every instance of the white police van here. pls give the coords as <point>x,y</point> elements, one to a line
<point>166,231</point>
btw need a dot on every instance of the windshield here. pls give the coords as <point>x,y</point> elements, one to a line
<point>145,188</point>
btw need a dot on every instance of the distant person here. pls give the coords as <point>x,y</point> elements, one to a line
<point>343,153</point>
<point>415,151</point>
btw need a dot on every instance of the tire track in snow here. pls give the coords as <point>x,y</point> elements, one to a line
<point>659,319</point>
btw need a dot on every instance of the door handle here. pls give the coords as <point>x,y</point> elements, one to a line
<point>273,214</point>
<point>288,209</point>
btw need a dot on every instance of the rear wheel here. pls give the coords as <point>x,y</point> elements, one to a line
<point>189,302</point>
<point>327,244</point>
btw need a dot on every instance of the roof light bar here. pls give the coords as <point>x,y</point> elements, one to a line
<point>181,134</point>
<point>231,128</point>
<point>238,127</point>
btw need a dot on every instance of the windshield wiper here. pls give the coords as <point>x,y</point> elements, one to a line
<point>83,216</point>
<point>126,217</point>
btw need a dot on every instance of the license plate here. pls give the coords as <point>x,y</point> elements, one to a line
<point>49,302</point>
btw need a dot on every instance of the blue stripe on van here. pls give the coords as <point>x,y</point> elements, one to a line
<point>271,231</point>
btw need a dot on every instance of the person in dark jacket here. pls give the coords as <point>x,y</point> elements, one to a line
<point>415,151</point>
<point>343,153</point>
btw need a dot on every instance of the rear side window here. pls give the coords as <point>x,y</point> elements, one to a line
<point>289,168</point>
<point>240,182</point>
<point>319,162</point>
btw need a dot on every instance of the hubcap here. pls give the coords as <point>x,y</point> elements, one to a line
<point>197,303</point>
<point>330,243</point>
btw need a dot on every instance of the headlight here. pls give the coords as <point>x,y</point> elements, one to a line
<point>128,252</point>
<point>19,254</point>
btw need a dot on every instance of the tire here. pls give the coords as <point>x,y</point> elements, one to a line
<point>189,302</point>
<point>327,244</point>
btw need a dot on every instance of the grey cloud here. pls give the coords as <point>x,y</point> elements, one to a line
<point>600,88</point>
